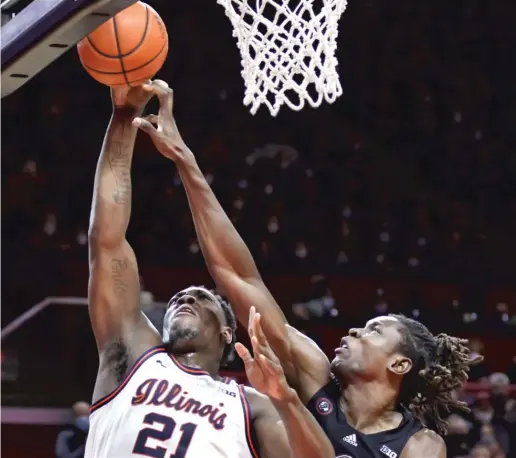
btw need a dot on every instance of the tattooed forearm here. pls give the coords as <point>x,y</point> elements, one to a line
<point>118,274</point>
<point>119,160</point>
<point>111,209</point>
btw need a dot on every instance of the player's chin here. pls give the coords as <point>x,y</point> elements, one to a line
<point>341,363</point>
<point>183,318</point>
<point>335,363</point>
<point>183,326</point>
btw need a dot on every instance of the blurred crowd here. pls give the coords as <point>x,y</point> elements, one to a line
<point>489,429</point>
<point>411,173</point>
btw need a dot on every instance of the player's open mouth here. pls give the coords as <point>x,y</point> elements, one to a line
<point>343,346</point>
<point>185,310</point>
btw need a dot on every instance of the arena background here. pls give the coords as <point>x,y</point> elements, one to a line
<point>401,197</point>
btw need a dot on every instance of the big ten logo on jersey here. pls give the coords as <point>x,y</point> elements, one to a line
<point>387,451</point>
<point>173,396</point>
<point>344,456</point>
<point>224,390</point>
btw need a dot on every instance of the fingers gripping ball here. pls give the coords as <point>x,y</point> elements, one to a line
<point>127,50</point>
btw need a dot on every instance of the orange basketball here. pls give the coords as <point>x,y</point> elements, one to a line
<point>127,50</point>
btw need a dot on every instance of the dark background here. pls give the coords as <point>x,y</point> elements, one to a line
<point>401,195</point>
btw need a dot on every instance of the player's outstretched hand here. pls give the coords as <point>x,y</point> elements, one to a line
<point>134,99</point>
<point>264,371</point>
<point>162,128</point>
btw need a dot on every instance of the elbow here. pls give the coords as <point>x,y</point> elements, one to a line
<point>103,236</point>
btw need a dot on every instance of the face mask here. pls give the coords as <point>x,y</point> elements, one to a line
<point>484,416</point>
<point>83,423</point>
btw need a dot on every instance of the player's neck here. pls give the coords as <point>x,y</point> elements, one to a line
<point>369,406</point>
<point>203,361</point>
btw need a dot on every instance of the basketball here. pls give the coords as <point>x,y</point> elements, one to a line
<point>127,50</point>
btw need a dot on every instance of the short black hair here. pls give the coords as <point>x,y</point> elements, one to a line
<point>440,365</point>
<point>231,322</point>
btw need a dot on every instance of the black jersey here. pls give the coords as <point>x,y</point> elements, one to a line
<point>350,443</point>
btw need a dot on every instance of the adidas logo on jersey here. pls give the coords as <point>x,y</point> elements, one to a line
<point>351,439</point>
<point>387,451</point>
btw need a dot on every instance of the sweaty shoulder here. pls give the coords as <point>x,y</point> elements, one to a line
<point>424,444</point>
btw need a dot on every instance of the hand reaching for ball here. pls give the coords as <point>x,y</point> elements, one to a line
<point>131,98</point>
<point>264,371</point>
<point>162,128</point>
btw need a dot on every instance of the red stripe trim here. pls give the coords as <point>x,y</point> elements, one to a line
<point>144,357</point>
<point>188,370</point>
<point>247,418</point>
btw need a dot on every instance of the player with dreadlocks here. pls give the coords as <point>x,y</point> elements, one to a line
<point>389,380</point>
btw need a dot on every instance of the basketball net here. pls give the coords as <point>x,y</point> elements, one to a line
<point>288,51</point>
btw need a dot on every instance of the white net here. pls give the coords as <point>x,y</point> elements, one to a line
<point>288,51</point>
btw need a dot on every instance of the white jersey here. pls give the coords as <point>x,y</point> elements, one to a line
<point>163,409</point>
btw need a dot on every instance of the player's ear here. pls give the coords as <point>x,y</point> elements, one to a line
<point>227,334</point>
<point>399,364</point>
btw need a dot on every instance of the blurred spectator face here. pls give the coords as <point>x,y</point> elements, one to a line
<point>476,346</point>
<point>458,441</point>
<point>499,383</point>
<point>81,411</point>
<point>50,224</point>
<point>483,411</point>
<point>301,250</point>
<point>30,167</point>
<point>457,425</point>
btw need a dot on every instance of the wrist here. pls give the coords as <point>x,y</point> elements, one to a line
<point>289,399</point>
<point>185,161</point>
<point>126,113</point>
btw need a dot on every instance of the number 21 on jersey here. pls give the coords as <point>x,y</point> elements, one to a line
<point>161,430</point>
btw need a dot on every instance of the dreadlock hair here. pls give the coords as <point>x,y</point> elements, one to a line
<point>232,323</point>
<point>440,365</point>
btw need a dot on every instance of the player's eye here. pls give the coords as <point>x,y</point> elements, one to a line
<point>374,328</point>
<point>202,295</point>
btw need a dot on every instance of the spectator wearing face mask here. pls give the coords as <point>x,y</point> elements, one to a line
<point>499,384</point>
<point>459,439</point>
<point>71,440</point>
<point>493,429</point>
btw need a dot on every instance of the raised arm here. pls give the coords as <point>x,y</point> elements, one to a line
<point>297,434</point>
<point>229,260</point>
<point>114,290</point>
